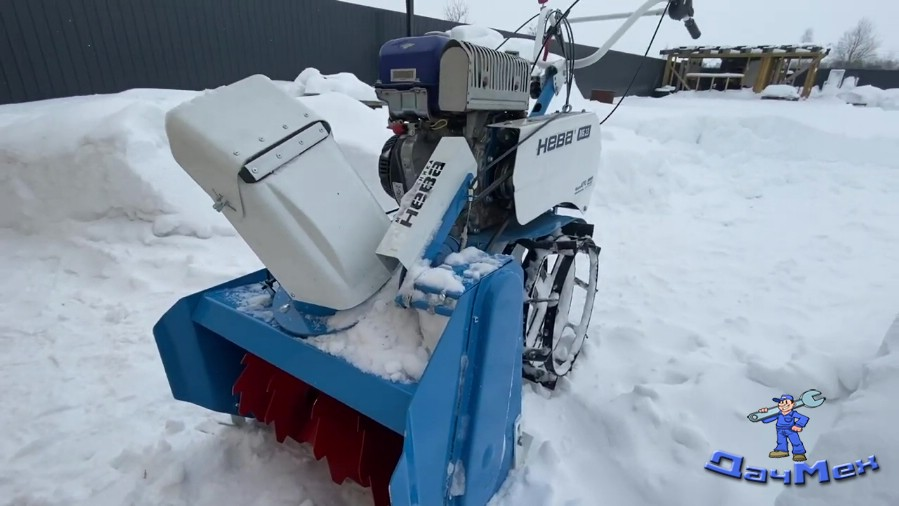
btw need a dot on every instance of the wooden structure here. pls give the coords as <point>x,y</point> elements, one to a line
<point>754,67</point>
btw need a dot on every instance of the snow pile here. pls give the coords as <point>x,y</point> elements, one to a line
<point>477,263</point>
<point>847,91</point>
<point>871,96</point>
<point>444,278</point>
<point>96,157</point>
<point>781,91</point>
<point>312,82</point>
<point>386,340</point>
<point>872,399</point>
<point>732,269</point>
<point>440,278</point>
<point>490,38</point>
<point>209,462</point>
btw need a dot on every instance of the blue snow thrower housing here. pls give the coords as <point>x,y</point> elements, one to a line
<point>253,347</point>
<point>432,76</point>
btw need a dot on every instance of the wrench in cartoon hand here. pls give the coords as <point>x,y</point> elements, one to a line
<point>810,399</point>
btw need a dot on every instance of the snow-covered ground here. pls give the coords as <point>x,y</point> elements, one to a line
<point>750,249</point>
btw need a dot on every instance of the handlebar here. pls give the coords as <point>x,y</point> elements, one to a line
<point>679,10</point>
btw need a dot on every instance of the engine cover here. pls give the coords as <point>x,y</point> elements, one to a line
<point>555,165</point>
<point>433,75</point>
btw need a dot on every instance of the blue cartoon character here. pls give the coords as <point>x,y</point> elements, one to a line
<point>789,422</point>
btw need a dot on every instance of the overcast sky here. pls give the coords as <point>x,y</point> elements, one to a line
<point>723,22</point>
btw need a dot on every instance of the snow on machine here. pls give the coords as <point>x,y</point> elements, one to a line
<point>480,263</point>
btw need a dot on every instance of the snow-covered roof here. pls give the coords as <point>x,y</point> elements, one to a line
<point>724,50</point>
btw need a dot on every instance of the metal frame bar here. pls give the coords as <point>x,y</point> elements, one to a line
<point>610,17</point>
<point>643,10</point>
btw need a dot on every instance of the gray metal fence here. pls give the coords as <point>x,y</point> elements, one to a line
<point>52,48</point>
<point>884,79</point>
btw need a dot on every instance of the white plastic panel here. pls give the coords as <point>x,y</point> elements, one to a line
<point>557,164</point>
<point>312,221</point>
<point>422,208</point>
<point>235,123</point>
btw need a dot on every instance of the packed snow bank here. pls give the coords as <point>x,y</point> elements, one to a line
<point>871,96</point>
<point>108,156</point>
<point>781,91</point>
<point>95,157</point>
<point>312,82</point>
<point>865,426</point>
<point>205,462</point>
<point>848,91</point>
<point>737,267</point>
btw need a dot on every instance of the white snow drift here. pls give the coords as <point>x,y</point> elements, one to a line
<point>750,249</point>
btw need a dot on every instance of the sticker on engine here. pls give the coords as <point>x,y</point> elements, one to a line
<point>403,75</point>
<point>560,140</point>
<point>584,132</point>
<point>424,185</point>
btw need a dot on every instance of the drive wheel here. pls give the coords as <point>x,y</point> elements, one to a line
<point>561,274</point>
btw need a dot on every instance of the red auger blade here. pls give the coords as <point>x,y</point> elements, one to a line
<point>252,387</point>
<point>355,446</point>
<point>338,438</point>
<point>381,451</point>
<point>290,406</point>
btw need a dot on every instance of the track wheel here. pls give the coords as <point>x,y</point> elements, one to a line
<point>354,446</point>
<point>561,275</point>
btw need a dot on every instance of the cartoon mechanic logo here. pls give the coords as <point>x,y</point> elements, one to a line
<point>789,422</point>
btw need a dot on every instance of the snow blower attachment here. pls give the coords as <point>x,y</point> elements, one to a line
<point>477,268</point>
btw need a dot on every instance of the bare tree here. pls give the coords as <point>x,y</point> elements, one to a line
<point>858,45</point>
<point>456,11</point>
<point>531,29</point>
<point>889,62</point>
<point>808,36</point>
<point>886,62</point>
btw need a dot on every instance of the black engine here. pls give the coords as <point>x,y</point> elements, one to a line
<point>405,155</point>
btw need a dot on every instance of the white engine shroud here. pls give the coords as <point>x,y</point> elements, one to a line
<point>556,164</point>
<point>273,168</point>
<point>421,211</point>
